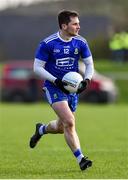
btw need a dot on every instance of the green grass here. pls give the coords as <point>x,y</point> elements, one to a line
<point>109,68</point>
<point>103,134</point>
<point>106,65</point>
<point>123,91</point>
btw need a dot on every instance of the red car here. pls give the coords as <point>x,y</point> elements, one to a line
<point>19,83</point>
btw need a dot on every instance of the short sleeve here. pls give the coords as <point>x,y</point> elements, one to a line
<point>42,52</point>
<point>85,50</point>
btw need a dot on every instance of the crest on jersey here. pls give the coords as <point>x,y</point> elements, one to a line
<point>55,96</point>
<point>76,51</point>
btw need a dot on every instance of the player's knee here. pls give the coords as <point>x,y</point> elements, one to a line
<point>60,126</point>
<point>61,129</point>
<point>69,123</point>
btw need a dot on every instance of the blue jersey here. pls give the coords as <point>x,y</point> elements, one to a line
<point>62,56</point>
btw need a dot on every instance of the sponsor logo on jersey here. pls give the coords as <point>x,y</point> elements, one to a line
<point>56,50</point>
<point>69,61</point>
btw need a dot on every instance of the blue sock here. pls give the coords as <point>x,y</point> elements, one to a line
<point>78,154</point>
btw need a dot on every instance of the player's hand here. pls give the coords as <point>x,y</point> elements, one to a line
<point>83,85</point>
<point>60,84</point>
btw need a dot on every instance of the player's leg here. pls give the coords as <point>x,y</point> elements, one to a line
<point>55,126</point>
<point>52,127</point>
<point>67,117</point>
<point>53,94</point>
<point>66,123</point>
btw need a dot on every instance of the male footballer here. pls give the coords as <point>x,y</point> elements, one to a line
<point>57,55</point>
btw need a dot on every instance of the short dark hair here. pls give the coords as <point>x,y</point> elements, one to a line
<point>64,17</point>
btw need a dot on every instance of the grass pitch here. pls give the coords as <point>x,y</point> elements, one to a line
<point>102,130</point>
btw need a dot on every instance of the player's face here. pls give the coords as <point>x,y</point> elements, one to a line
<point>73,27</point>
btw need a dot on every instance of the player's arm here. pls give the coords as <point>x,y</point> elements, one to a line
<point>88,61</point>
<point>39,69</point>
<point>41,58</point>
<point>89,70</point>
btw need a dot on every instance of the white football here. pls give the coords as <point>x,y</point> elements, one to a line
<point>73,80</point>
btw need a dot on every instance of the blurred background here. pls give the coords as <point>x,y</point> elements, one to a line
<point>102,115</point>
<point>23,23</point>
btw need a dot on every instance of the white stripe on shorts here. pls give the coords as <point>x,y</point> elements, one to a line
<point>48,95</point>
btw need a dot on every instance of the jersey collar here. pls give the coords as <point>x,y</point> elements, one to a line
<point>58,34</point>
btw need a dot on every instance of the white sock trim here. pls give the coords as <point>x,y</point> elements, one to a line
<point>80,157</point>
<point>41,130</point>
